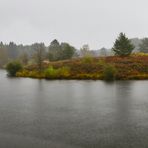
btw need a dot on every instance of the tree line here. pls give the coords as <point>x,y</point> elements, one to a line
<point>35,53</point>
<point>38,52</point>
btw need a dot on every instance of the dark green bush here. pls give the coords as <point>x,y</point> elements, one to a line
<point>13,67</point>
<point>109,72</point>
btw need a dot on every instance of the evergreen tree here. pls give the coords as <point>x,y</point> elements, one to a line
<point>54,50</point>
<point>123,46</point>
<point>67,51</point>
<point>61,51</point>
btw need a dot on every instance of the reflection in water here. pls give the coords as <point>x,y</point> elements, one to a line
<point>124,119</point>
<point>123,91</point>
<point>74,113</point>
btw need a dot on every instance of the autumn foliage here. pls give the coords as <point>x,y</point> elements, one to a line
<point>123,68</point>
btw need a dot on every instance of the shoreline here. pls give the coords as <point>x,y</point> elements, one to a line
<point>108,69</point>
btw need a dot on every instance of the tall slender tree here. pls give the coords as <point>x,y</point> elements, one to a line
<point>54,50</point>
<point>39,55</point>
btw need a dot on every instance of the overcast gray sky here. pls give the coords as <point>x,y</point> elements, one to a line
<point>93,22</point>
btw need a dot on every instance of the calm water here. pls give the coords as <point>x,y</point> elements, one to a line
<point>73,114</point>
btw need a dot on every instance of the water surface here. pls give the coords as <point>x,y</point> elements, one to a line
<point>73,114</point>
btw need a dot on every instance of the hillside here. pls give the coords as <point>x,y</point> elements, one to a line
<point>127,68</point>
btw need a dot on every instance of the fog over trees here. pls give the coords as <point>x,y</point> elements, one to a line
<point>57,51</point>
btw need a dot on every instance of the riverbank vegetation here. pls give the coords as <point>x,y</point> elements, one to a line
<point>63,61</point>
<point>13,67</point>
<point>108,68</point>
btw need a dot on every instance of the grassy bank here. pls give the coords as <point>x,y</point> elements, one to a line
<point>120,68</point>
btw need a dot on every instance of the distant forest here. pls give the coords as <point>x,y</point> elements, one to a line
<point>57,51</point>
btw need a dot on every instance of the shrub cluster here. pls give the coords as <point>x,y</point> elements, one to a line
<point>109,72</point>
<point>109,68</point>
<point>13,67</point>
<point>87,59</point>
<point>52,73</point>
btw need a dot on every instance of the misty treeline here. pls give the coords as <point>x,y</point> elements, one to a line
<point>35,53</point>
<point>38,52</point>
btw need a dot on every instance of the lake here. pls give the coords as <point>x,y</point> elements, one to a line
<point>72,114</point>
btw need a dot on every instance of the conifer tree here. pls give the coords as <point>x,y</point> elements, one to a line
<point>123,46</point>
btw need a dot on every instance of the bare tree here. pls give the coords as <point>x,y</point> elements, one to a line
<point>85,51</point>
<point>24,58</point>
<point>39,55</point>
